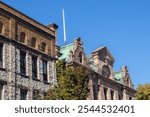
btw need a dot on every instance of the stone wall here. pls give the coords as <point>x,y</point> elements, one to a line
<point>11,73</point>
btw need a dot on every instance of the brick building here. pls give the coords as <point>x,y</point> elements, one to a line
<point>104,82</point>
<point>27,55</point>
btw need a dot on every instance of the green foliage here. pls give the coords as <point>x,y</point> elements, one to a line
<point>52,94</point>
<point>143,92</point>
<point>72,84</point>
<point>36,95</point>
<point>60,67</point>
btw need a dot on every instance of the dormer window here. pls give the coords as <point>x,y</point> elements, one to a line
<point>22,37</point>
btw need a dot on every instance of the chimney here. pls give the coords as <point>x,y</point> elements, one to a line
<point>53,26</point>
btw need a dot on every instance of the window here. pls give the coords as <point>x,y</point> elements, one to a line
<point>112,95</point>
<point>105,93</point>
<point>106,71</point>
<point>1,27</point>
<point>34,67</point>
<point>43,46</point>
<point>130,98</point>
<point>120,95</point>
<point>1,54</point>
<point>22,62</point>
<point>80,57</point>
<point>1,89</point>
<point>95,92</point>
<point>23,94</point>
<point>22,37</point>
<point>33,42</point>
<point>44,70</point>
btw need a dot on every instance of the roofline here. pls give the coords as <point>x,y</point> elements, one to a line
<point>99,49</point>
<point>102,47</point>
<point>66,45</point>
<point>37,24</point>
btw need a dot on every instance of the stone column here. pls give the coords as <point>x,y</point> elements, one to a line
<point>39,69</point>
<point>30,94</point>
<point>28,64</point>
<point>91,94</point>
<point>3,92</point>
<point>101,93</point>
<point>125,96</point>
<point>108,94</point>
<point>49,66</point>
<point>116,95</point>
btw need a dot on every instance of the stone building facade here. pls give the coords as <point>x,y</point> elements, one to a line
<point>27,55</point>
<point>104,82</point>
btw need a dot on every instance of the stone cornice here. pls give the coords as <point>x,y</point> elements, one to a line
<point>25,18</point>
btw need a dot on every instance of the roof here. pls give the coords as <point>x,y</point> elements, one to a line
<point>65,51</point>
<point>118,76</point>
<point>108,52</point>
<point>98,49</point>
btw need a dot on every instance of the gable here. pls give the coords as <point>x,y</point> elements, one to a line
<point>104,55</point>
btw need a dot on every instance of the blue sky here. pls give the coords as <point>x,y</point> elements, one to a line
<point>122,25</point>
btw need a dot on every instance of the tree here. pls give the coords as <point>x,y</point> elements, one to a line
<point>72,83</point>
<point>143,92</point>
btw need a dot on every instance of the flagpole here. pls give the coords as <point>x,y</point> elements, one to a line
<point>64,26</point>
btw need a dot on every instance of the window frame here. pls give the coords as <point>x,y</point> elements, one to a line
<point>35,70</point>
<point>22,37</point>
<point>22,62</point>
<point>43,46</point>
<point>1,54</point>
<point>33,42</point>
<point>24,92</point>
<point>44,70</point>
<point>1,91</point>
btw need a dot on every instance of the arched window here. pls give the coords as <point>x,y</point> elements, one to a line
<point>106,71</point>
<point>22,37</point>
<point>1,27</point>
<point>33,42</point>
<point>80,57</point>
<point>43,46</point>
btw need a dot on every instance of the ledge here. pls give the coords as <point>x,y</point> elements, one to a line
<point>23,75</point>
<point>33,78</point>
<point>48,83</point>
<point>3,69</point>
